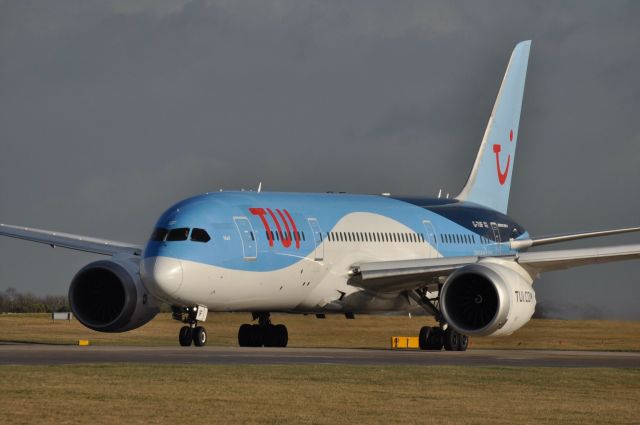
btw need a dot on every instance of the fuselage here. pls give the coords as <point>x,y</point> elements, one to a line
<point>267,251</point>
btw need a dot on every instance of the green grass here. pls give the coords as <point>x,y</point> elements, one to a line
<point>108,394</point>
<point>334,331</point>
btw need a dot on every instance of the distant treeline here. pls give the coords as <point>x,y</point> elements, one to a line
<point>12,301</point>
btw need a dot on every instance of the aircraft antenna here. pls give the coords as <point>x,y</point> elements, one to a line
<point>259,187</point>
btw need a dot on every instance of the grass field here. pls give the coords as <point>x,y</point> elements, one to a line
<point>319,394</point>
<point>334,331</point>
<point>133,394</point>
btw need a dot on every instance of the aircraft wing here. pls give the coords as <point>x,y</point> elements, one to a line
<point>70,241</point>
<point>543,261</point>
<point>393,276</point>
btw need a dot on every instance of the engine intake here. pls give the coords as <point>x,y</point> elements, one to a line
<point>108,296</point>
<point>487,299</point>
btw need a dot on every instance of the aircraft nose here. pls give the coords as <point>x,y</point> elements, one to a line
<point>162,273</point>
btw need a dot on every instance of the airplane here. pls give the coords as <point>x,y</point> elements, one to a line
<point>462,260</point>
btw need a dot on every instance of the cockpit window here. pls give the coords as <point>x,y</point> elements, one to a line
<point>179,234</point>
<point>158,234</point>
<point>200,235</point>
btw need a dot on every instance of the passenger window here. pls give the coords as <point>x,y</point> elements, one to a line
<point>158,234</point>
<point>179,234</point>
<point>303,237</point>
<point>201,235</point>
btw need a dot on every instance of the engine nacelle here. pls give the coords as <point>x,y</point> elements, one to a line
<point>488,299</point>
<point>108,296</point>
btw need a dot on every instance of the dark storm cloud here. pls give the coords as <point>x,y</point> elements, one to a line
<point>111,111</point>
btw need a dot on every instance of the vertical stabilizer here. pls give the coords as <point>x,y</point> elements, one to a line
<point>490,178</point>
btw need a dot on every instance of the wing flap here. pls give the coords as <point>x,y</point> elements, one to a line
<point>563,259</point>
<point>394,276</point>
<point>70,241</point>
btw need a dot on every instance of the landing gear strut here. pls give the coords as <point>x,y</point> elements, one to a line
<point>191,333</point>
<point>435,338</point>
<point>264,334</point>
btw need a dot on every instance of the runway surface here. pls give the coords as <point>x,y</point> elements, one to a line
<point>31,354</point>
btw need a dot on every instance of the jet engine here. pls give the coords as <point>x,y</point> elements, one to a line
<point>487,299</point>
<point>108,296</point>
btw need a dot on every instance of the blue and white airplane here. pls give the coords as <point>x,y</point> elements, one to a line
<point>462,260</point>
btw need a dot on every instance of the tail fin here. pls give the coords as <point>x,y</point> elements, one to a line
<point>490,178</point>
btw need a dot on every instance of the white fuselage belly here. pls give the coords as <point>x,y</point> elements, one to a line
<point>309,285</point>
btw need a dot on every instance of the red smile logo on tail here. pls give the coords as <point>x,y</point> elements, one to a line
<point>502,176</point>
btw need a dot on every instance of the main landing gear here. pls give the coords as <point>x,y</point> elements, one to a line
<point>264,334</point>
<point>191,333</point>
<point>443,336</point>
<point>436,338</point>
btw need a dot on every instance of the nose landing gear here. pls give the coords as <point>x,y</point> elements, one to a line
<point>263,334</point>
<point>191,333</point>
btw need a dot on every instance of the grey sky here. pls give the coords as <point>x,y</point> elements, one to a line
<point>112,111</point>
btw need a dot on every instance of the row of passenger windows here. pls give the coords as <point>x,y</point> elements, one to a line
<point>180,234</point>
<point>279,235</point>
<point>462,239</point>
<point>201,235</point>
<point>374,237</point>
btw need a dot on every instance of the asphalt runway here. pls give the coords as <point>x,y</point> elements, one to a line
<point>34,354</point>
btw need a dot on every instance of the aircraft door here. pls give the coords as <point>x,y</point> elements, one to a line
<point>496,236</point>
<point>431,235</point>
<point>247,237</point>
<point>317,238</point>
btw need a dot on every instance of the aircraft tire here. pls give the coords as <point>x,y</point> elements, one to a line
<point>436,339</point>
<point>257,336</point>
<point>184,337</point>
<point>463,342</point>
<point>199,336</point>
<point>423,337</point>
<point>282,335</point>
<point>244,335</point>
<point>270,336</point>
<point>451,339</point>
